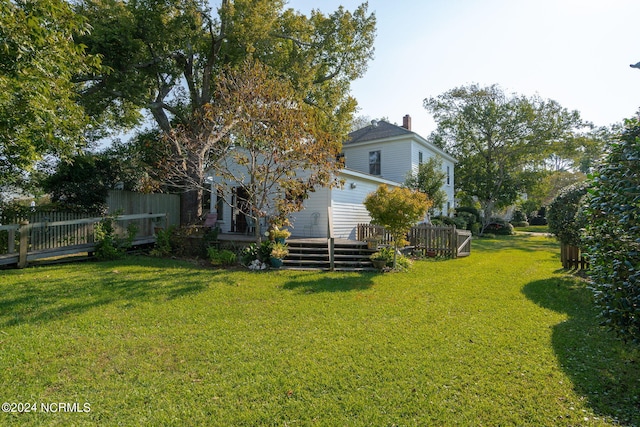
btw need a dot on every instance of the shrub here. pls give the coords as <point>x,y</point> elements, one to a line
<point>475,228</point>
<point>612,235</point>
<point>249,254</point>
<point>264,252</point>
<point>469,209</point>
<point>442,220</point>
<point>387,254</point>
<point>209,239</point>
<point>108,245</point>
<point>538,220</point>
<point>520,223</point>
<point>221,257</point>
<point>162,246</point>
<point>563,217</point>
<point>468,217</point>
<point>518,216</point>
<point>500,228</point>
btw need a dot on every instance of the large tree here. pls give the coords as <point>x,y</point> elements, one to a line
<point>276,153</point>
<point>500,141</point>
<point>166,57</point>
<point>38,59</point>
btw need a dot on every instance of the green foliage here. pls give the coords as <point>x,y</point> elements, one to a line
<point>563,216</point>
<point>162,247</point>
<point>250,253</point>
<point>79,184</point>
<point>39,61</point>
<point>429,179</point>
<point>519,219</point>
<point>279,250</point>
<point>388,254</point>
<point>397,210</point>
<point>519,216</point>
<point>209,239</point>
<point>612,237</point>
<point>264,251</point>
<point>174,58</point>
<point>500,141</point>
<point>529,207</point>
<point>499,227</point>
<point>470,210</point>
<point>223,257</point>
<point>383,254</point>
<point>109,246</point>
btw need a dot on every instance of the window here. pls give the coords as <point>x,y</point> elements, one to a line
<point>419,157</point>
<point>374,162</point>
<point>448,175</point>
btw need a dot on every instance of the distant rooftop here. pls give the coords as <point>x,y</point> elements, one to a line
<point>377,130</point>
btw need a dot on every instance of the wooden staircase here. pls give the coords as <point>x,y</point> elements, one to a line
<point>313,254</point>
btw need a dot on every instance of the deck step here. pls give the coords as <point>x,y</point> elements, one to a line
<point>314,255</point>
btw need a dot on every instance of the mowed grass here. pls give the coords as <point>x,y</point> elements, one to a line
<point>502,337</point>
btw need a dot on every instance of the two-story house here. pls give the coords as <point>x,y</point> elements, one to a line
<point>381,153</point>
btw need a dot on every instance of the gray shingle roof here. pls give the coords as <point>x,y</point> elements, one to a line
<point>379,131</point>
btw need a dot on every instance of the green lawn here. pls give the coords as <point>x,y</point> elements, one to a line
<point>499,338</point>
<point>534,229</point>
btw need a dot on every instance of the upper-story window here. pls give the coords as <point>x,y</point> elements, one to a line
<point>448,175</point>
<point>374,162</point>
<point>419,157</point>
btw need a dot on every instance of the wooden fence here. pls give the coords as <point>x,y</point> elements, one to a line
<point>426,239</point>
<point>130,203</point>
<point>54,235</point>
<point>572,258</point>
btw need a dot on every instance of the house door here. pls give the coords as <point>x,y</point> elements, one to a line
<point>239,206</point>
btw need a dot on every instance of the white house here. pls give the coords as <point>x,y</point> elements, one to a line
<point>381,153</point>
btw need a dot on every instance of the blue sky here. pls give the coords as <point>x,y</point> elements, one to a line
<point>575,52</point>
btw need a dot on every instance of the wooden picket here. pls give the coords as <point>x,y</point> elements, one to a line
<point>425,239</point>
<point>572,258</point>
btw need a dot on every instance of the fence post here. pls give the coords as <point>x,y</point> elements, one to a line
<point>24,244</point>
<point>453,243</point>
<point>11,244</point>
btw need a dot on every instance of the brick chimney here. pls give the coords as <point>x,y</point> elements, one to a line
<point>406,122</point>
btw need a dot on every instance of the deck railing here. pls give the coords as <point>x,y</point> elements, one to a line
<point>27,241</point>
<point>428,240</point>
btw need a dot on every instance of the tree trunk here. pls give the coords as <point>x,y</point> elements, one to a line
<point>190,206</point>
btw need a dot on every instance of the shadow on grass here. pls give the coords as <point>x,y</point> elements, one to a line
<point>326,282</point>
<point>50,294</point>
<point>603,369</point>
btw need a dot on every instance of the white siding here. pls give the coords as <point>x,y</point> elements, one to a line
<point>395,158</point>
<point>348,208</point>
<point>313,220</point>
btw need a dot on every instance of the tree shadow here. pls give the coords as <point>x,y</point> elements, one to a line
<point>55,296</point>
<point>603,369</point>
<point>314,283</point>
